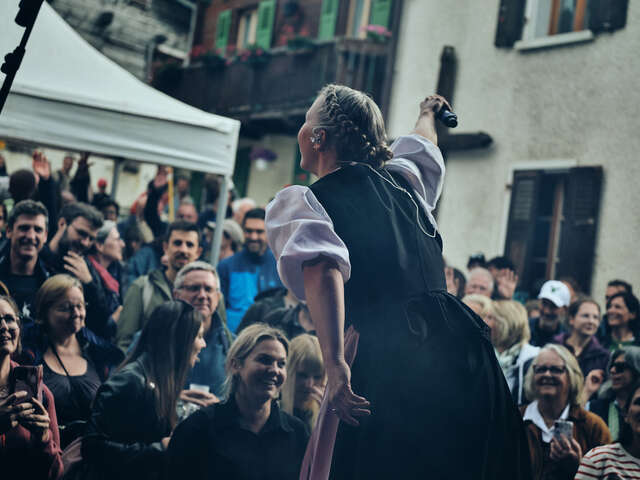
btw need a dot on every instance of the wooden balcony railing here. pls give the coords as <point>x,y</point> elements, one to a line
<point>286,84</point>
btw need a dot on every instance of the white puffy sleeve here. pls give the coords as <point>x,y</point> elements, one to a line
<point>420,162</point>
<point>299,229</point>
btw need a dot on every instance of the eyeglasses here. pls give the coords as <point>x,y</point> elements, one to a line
<point>552,369</point>
<point>69,308</point>
<point>195,288</point>
<point>619,367</point>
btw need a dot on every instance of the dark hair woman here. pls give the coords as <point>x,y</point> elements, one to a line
<point>369,220</point>
<point>248,436</point>
<point>134,411</point>
<point>29,441</point>
<point>623,321</point>
<point>75,361</point>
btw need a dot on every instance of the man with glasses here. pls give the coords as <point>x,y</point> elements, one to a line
<point>197,284</point>
<point>250,271</point>
<point>67,252</point>
<point>21,268</point>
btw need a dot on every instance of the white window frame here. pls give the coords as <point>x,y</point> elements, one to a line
<point>364,20</point>
<point>530,41</point>
<point>253,28</point>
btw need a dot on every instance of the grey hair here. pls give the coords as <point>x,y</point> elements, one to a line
<point>198,265</point>
<point>482,271</point>
<point>576,378</point>
<point>236,204</point>
<point>105,230</point>
<point>631,357</point>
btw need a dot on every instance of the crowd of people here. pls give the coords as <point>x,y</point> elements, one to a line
<point>125,354</point>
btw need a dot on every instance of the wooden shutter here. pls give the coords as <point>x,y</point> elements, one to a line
<point>380,12</point>
<point>241,171</point>
<point>266,14</point>
<point>222,30</point>
<point>607,15</point>
<point>580,226</point>
<point>328,17</point>
<point>510,22</point>
<point>522,220</point>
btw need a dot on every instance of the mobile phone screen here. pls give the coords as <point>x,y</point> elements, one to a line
<point>28,379</point>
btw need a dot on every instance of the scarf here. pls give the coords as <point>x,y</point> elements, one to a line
<point>108,280</point>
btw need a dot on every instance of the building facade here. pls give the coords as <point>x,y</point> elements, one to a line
<point>553,83</point>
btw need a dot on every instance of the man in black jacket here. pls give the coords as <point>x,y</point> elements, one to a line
<point>66,253</point>
<point>21,268</point>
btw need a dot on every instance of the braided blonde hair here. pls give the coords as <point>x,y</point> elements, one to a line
<point>354,125</point>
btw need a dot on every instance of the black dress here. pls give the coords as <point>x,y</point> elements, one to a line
<point>440,405</point>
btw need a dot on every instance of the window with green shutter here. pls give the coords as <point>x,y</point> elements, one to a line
<point>266,14</point>
<point>380,13</point>
<point>222,30</point>
<point>328,17</point>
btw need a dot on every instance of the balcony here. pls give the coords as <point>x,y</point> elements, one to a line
<point>273,96</point>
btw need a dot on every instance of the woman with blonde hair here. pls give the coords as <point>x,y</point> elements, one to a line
<point>302,391</point>
<point>74,359</point>
<point>558,429</point>
<point>513,349</point>
<point>483,306</point>
<point>248,435</point>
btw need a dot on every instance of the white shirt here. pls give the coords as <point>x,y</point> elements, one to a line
<point>533,413</point>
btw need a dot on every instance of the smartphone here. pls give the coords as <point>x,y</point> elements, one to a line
<point>28,379</point>
<point>563,427</point>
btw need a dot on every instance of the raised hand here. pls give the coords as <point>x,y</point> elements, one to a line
<point>41,166</point>
<point>76,265</point>
<point>507,281</point>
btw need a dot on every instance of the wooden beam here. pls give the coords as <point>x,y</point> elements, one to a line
<point>464,141</point>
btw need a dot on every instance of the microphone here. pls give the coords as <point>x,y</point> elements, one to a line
<point>447,117</point>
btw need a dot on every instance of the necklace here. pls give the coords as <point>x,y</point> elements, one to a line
<point>393,183</point>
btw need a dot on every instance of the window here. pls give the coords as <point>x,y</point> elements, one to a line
<point>359,11</point>
<point>552,225</point>
<point>533,20</point>
<point>247,28</point>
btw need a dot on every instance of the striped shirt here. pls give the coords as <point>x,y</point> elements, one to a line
<point>608,462</point>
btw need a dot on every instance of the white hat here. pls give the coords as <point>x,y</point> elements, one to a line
<point>557,292</point>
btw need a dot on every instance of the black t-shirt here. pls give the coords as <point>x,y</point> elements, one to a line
<point>211,444</point>
<point>23,289</point>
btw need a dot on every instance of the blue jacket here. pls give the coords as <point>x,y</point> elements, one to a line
<point>242,277</point>
<point>210,368</point>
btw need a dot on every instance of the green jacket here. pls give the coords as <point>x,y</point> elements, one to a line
<point>143,296</point>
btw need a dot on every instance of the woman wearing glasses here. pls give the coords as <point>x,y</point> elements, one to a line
<point>624,371</point>
<point>29,441</point>
<point>555,382</point>
<point>134,412</point>
<point>75,360</point>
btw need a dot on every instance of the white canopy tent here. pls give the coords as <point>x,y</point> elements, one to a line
<point>68,95</point>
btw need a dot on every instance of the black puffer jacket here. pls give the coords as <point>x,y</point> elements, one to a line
<point>124,432</point>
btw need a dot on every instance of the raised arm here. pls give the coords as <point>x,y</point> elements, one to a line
<point>426,123</point>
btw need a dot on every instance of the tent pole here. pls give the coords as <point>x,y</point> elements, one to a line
<point>220,216</point>
<point>118,163</point>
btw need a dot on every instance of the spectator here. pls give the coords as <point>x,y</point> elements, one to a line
<point>182,246</point>
<point>456,282</point>
<point>247,436</point>
<point>620,460</point>
<point>480,281</point>
<point>134,412</point>
<point>186,211</point>
<point>504,276</point>
<point>3,226</point>
<point>306,378</point>
<point>182,191</point>
<point>248,272</point>
<point>63,176</point>
<point>29,441</point>
<point>109,209</point>
<point>584,320</point>
<point>232,238</point>
<point>624,371</point>
<point>102,195</point>
<point>483,306</point>
<point>209,212</point>
<point>67,252</point>
<point>554,382</point>
<point>21,267</point>
<point>292,321</point>
<point>265,303</point>
<point>555,297</point>
<point>106,261</point>
<point>197,284</point>
<point>617,286</point>
<point>515,354</point>
<point>476,260</point>
<point>622,321</point>
<point>75,361</point>
<point>240,208</point>
<point>81,182</point>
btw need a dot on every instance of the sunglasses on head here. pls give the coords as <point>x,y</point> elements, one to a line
<point>619,367</point>
<point>552,369</point>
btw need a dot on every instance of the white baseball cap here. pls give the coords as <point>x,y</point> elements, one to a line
<point>557,292</point>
